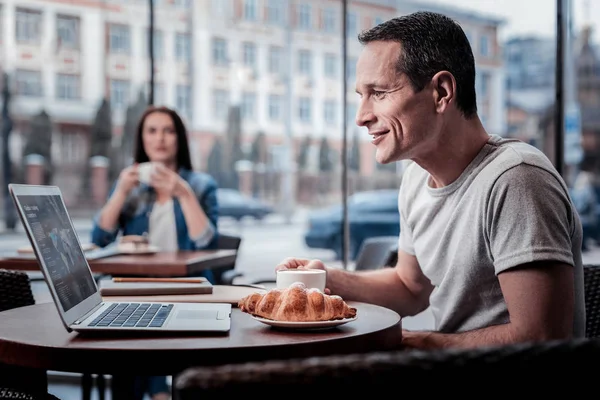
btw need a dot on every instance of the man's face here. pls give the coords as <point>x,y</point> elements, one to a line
<point>399,119</point>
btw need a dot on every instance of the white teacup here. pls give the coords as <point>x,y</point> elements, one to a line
<point>312,278</point>
<point>145,171</point>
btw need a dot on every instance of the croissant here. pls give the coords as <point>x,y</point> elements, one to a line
<point>296,303</point>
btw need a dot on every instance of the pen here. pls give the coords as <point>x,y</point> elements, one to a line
<point>169,280</point>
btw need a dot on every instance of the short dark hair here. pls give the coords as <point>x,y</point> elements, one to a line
<point>431,43</point>
<point>183,150</point>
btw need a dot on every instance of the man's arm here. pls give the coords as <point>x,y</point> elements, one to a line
<point>540,301</point>
<point>403,289</point>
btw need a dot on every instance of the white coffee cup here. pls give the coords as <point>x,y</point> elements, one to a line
<point>145,172</point>
<point>312,278</point>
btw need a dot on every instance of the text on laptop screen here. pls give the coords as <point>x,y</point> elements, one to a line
<point>58,248</point>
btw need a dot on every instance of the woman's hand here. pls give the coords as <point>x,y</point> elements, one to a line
<point>128,179</point>
<point>169,182</point>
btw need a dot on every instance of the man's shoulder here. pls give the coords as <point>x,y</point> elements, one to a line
<point>510,153</point>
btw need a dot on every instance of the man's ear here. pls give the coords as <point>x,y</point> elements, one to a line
<point>444,90</point>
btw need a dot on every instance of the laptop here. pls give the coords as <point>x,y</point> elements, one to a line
<point>73,288</point>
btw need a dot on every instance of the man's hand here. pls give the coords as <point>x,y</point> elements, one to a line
<point>301,263</point>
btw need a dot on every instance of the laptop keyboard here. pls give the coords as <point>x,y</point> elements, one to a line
<point>133,315</point>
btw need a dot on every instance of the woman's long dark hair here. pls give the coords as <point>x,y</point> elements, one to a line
<point>183,150</point>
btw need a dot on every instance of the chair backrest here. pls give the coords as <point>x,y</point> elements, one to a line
<point>228,242</point>
<point>221,275</point>
<point>375,252</point>
<point>441,372</point>
<point>15,290</point>
<point>591,279</point>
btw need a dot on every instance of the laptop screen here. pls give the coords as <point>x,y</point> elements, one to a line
<point>59,248</point>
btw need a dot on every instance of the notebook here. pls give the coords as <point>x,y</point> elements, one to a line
<point>79,303</point>
<point>110,288</point>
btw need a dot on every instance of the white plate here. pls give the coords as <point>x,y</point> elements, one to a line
<point>304,325</point>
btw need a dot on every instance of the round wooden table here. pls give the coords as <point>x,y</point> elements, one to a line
<point>34,337</point>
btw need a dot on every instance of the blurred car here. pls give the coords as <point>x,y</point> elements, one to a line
<point>234,204</point>
<point>370,214</point>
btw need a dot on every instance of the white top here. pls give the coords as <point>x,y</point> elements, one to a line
<point>162,230</point>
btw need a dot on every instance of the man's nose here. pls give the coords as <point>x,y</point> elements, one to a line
<point>364,115</point>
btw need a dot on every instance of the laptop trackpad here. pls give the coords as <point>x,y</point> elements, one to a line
<point>196,314</point>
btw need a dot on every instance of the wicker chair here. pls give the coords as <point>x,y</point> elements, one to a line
<point>526,369</point>
<point>15,291</point>
<point>591,274</point>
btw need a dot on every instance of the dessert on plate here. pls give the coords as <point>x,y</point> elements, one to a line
<point>296,303</point>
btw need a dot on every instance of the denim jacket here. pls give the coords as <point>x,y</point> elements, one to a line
<point>134,218</point>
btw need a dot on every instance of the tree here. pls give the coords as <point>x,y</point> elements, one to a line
<point>100,142</point>
<point>325,163</point>
<point>122,152</point>
<point>214,162</point>
<point>39,141</point>
<point>354,159</point>
<point>259,152</point>
<point>303,153</point>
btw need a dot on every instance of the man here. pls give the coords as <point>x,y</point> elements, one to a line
<point>489,238</point>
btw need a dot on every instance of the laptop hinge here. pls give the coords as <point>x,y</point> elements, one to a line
<point>93,310</point>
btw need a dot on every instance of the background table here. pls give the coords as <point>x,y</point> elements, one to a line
<point>180,263</point>
<point>34,337</point>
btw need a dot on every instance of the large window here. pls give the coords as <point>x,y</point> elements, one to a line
<point>28,25</point>
<point>119,39</point>
<point>29,83</point>
<point>68,87</point>
<point>219,52</point>
<point>67,31</point>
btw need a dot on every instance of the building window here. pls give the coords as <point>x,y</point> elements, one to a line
<point>183,47</point>
<point>220,8</point>
<point>249,55</point>
<point>484,46</point>
<point>68,87</point>
<point>182,3</point>
<point>329,20</point>
<point>275,14</point>
<point>119,94</point>
<point>275,60</point>
<point>304,17</point>
<point>351,111</point>
<point>274,107</point>
<point>351,25</point>
<point>248,107</point>
<point>220,103</point>
<point>184,99</point>
<point>250,7</point>
<point>304,109</point>
<point>157,44</point>
<point>330,65</point>
<point>329,112</point>
<point>304,62</point>
<point>219,47</point>
<point>28,26</point>
<point>351,70</point>
<point>67,32</point>
<point>29,83</point>
<point>119,40</point>
<point>483,81</point>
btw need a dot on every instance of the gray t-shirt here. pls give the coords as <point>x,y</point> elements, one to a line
<point>508,207</point>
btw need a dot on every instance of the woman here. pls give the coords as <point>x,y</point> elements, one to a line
<point>176,209</point>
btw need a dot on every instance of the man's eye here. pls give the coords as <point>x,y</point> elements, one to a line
<point>378,94</point>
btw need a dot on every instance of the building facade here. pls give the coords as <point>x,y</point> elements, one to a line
<point>65,57</point>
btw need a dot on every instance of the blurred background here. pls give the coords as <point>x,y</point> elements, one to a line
<point>266,88</point>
